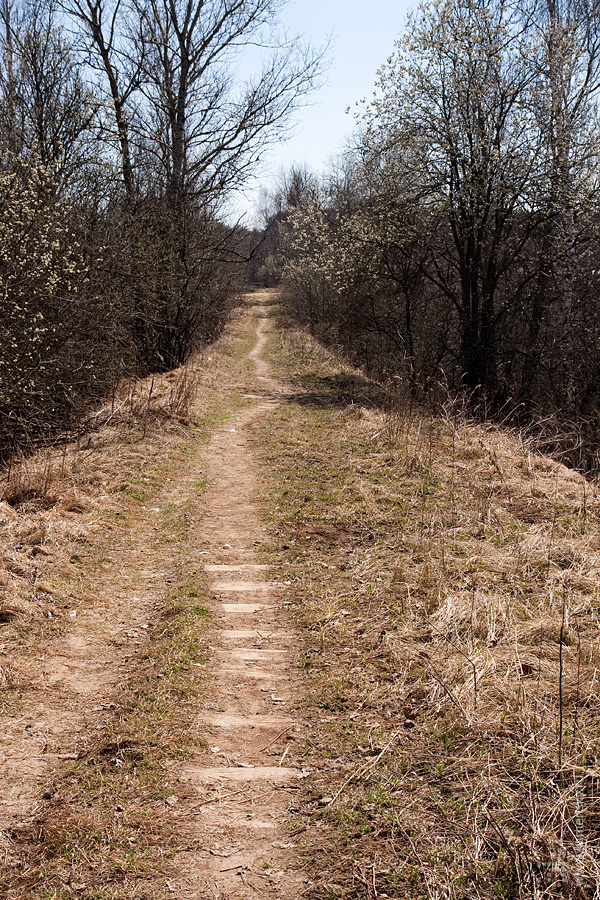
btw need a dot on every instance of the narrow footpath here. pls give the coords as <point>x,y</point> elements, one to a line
<point>244,778</point>
<point>86,699</point>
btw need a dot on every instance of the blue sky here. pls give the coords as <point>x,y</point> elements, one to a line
<point>363,35</point>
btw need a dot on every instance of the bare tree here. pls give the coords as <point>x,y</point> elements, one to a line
<point>171,69</point>
<point>452,120</point>
<point>476,193</point>
<point>48,112</point>
<point>188,129</point>
<point>567,36</point>
<point>107,40</point>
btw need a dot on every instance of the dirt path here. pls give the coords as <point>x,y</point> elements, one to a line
<point>244,779</point>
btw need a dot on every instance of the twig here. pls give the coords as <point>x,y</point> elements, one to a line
<point>281,733</point>
<point>223,796</point>
<point>113,413</point>
<point>360,772</point>
<point>285,752</point>
<point>554,514</point>
<point>454,699</point>
<point>181,428</point>
<point>460,650</point>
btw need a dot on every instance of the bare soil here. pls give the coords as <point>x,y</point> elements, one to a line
<point>249,774</point>
<point>63,677</point>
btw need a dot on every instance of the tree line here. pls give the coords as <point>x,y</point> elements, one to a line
<point>125,127</point>
<point>456,245</point>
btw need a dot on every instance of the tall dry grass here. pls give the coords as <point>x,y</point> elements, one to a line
<point>48,494</point>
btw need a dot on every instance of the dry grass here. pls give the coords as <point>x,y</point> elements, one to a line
<point>165,398</point>
<point>448,579</point>
<point>52,499</point>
